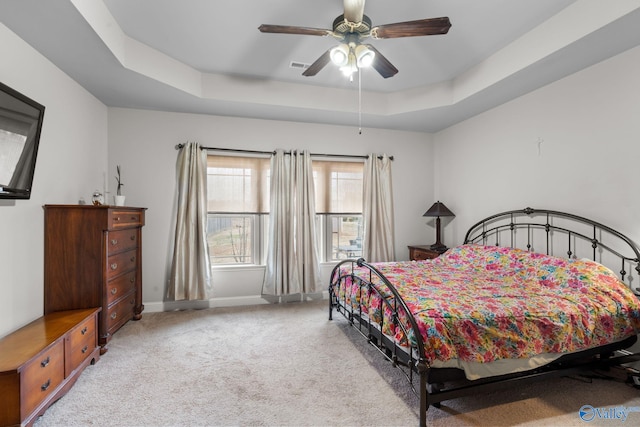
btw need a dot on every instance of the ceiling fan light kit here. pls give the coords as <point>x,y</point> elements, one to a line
<point>350,29</point>
<point>350,58</point>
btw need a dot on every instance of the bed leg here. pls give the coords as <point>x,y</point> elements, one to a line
<point>330,303</point>
<point>435,388</point>
<point>424,401</point>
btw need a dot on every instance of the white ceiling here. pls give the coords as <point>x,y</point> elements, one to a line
<point>207,56</point>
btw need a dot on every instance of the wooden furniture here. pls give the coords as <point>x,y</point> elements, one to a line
<point>548,232</point>
<point>93,258</point>
<point>422,252</point>
<point>41,361</point>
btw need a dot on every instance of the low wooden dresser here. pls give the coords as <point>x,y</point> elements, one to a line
<point>93,258</point>
<point>422,252</point>
<point>41,361</point>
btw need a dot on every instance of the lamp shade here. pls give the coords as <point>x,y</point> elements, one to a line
<point>364,56</point>
<point>438,209</point>
<point>340,55</point>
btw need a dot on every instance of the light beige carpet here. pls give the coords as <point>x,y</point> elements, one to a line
<point>288,365</point>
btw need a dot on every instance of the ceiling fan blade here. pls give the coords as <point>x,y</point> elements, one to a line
<point>421,27</point>
<point>318,65</point>
<point>382,64</point>
<point>353,10</point>
<point>287,29</point>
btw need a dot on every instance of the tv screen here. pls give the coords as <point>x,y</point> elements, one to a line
<point>20,126</point>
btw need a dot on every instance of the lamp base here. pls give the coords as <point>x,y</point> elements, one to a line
<point>438,247</point>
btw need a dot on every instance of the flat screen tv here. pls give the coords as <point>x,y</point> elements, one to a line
<point>20,126</point>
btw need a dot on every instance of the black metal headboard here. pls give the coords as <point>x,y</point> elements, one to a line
<point>547,231</point>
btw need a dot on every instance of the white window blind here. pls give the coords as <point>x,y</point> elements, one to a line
<point>238,184</point>
<point>338,186</point>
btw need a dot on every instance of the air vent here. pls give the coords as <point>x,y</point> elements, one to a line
<point>298,65</point>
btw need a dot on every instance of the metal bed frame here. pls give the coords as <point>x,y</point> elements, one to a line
<point>544,226</point>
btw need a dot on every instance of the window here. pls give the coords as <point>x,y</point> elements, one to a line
<point>238,195</point>
<point>338,187</point>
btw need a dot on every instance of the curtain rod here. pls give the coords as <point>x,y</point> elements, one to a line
<point>235,150</point>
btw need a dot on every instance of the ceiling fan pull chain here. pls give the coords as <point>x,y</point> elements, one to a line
<point>359,101</point>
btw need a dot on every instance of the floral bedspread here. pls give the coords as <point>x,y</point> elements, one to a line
<point>483,303</point>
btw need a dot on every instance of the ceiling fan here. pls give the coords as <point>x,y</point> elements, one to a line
<point>350,29</point>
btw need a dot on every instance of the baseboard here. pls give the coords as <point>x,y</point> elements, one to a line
<point>154,307</point>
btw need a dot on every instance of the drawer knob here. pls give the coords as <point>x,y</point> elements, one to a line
<point>114,266</point>
<point>114,315</point>
<point>114,242</point>
<point>133,237</point>
<point>114,291</point>
<point>45,362</point>
<point>133,279</point>
<point>84,350</point>
<point>133,259</point>
<point>84,330</point>
<point>46,385</point>
<point>116,218</point>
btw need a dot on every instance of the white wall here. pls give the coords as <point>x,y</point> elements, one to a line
<point>587,163</point>
<point>143,142</point>
<point>71,161</point>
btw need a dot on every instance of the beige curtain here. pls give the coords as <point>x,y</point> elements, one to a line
<point>191,267</point>
<point>292,260</point>
<point>378,242</point>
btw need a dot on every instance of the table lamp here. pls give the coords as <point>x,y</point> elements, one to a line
<point>437,210</point>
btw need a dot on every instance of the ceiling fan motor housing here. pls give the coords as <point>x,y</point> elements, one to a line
<point>342,26</point>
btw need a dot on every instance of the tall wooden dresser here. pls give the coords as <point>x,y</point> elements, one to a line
<point>93,258</point>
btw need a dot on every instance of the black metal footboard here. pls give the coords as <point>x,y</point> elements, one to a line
<point>373,282</point>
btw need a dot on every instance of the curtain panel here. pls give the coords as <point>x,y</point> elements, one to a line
<point>292,261</point>
<point>190,277</point>
<point>379,236</point>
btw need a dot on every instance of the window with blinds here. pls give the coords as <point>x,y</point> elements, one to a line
<point>338,188</point>
<point>238,199</point>
<point>238,205</point>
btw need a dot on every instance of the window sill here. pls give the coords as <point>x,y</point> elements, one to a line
<point>231,267</point>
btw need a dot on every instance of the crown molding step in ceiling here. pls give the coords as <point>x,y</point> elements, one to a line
<point>210,58</point>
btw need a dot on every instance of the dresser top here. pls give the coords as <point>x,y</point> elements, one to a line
<point>94,207</point>
<point>28,341</point>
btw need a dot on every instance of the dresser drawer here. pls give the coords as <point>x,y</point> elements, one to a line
<point>80,343</point>
<point>121,263</point>
<point>121,240</point>
<point>120,313</point>
<point>42,375</point>
<point>120,286</point>
<point>421,253</point>
<point>122,218</point>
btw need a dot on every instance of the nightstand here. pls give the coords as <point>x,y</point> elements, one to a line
<point>422,252</point>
